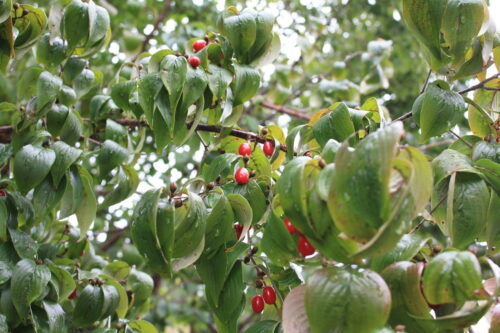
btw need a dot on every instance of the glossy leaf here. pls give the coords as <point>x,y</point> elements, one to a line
<point>28,282</point>
<point>31,165</point>
<point>451,277</point>
<point>335,297</point>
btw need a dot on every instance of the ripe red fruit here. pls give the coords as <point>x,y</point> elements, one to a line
<point>199,45</point>
<point>2,193</point>
<point>305,248</point>
<point>269,295</point>
<point>289,226</point>
<point>238,229</point>
<point>241,176</point>
<point>194,61</point>
<point>73,295</point>
<point>245,149</point>
<point>268,148</point>
<point>257,304</point>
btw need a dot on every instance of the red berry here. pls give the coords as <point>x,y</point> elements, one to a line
<point>245,149</point>
<point>289,226</point>
<point>257,304</point>
<point>2,193</point>
<point>238,229</point>
<point>305,248</point>
<point>194,61</point>
<point>199,45</point>
<point>268,148</point>
<point>73,295</point>
<point>241,175</point>
<point>269,295</point>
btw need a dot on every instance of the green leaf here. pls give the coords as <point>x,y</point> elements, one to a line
<point>28,282</point>
<point>30,27</point>
<point>277,242</point>
<point>5,271</point>
<point>89,306</point>
<point>84,82</point>
<point>266,326</point>
<point>7,44</point>
<point>359,212</point>
<point>99,23</point>
<point>424,19</point>
<point>407,247</point>
<point>196,82</point>
<point>4,214</point>
<point>110,156</point>
<point>335,298</point>
<point>31,165</point>
<point>73,193</point>
<point>451,277</point>
<point>141,285</point>
<point>149,87</point>
<point>123,94</point>
<point>335,125</point>
<point>67,96</point>
<point>25,246</point>
<point>142,326</point>
<point>245,85</point>
<point>50,53</point>
<point>127,181</point>
<point>71,130</point>
<point>64,281</point>
<point>492,227</point>
<point>65,157</point>
<point>218,80</point>
<point>462,21</point>
<point>5,9</point>
<point>481,112</point>
<point>47,89</point>
<point>56,316</point>
<point>143,223</point>
<point>87,207</point>
<point>404,281</point>
<point>469,314</point>
<point>219,229</point>
<point>449,162</point>
<point>111,299</point>
<point>437,110</point>
<point>241,31</point>
<point>75,23</point>
<point>190,222</point>
<point>254,195</point>
<point>461,203</point>
<point>73,67</point>
<point>173,75</point>
<point>46,196</point>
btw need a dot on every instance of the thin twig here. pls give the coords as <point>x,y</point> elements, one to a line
<point>481,85</point>
<point>426,81</point>
<point>403,117</point>
<point>285,110</point>
<point>435,144</point>
<point>460,138</point>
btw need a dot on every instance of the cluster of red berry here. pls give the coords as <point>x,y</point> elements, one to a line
<point>242,175</point>
<point>268,296</point>
<point>197,46</point>
<point>305,248</point>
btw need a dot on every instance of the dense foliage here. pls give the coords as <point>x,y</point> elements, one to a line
<point>254,167</point>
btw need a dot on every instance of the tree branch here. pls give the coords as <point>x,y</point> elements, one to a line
<point>481,85</point>
<point>235,132</point>
<point>163,14</point>
<point>285,110</point>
